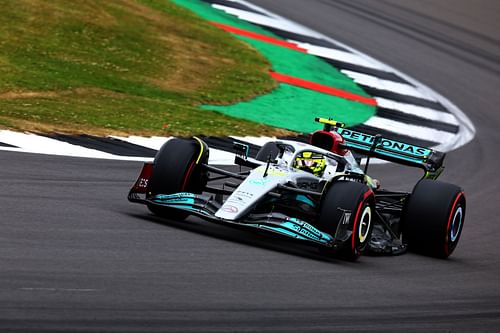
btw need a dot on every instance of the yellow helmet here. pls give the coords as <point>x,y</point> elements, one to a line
<point>314,163</point>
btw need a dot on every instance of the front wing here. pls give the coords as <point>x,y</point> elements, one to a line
<point>205,206</point>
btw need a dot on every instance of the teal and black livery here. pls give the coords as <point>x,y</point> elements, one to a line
<point>431,161</point>
<point>337,208</point>
<point>278,223</point>
<point>195,203</point>
<point>295,228</point>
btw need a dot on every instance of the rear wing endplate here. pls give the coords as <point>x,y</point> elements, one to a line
<point>431,161</point>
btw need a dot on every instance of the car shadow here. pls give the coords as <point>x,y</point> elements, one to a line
<point>249,237</point>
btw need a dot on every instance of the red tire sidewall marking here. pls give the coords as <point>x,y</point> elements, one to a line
<point>366,195</point>
<point>446,245</point>
<point>187,176</point>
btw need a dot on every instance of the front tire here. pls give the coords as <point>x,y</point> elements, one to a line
<point>351,203</point>
<point>177,168</point>
<point>433,219</point>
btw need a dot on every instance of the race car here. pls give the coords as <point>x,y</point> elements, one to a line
<point>314,192</point>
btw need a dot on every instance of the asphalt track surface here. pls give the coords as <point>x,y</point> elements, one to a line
<point>76,256</point>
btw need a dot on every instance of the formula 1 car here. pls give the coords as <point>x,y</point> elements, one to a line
<point>314,192</point>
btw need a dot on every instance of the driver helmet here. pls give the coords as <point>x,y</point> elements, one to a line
<point>308,161</point>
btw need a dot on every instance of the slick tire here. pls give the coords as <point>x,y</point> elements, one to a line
<point>433,218</point>
<point>351,203</point>
<point>177,168</point>
<point>269,149</point>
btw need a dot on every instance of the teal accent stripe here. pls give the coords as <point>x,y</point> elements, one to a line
<point>283,231</point>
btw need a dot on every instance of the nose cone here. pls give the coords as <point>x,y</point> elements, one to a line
<point>251,191</point>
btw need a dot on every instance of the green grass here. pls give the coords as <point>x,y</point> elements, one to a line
<point>116,67</point>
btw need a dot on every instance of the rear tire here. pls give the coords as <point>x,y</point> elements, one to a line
<point>352,198</point>
<point>175,170</point>
<point>433,218</point>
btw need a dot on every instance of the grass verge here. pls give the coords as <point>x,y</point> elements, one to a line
<point>122,67</point>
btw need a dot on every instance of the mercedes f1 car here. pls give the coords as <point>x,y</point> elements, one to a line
<point>314,192</point>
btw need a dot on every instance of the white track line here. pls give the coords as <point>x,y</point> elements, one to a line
<point>347,57</point>
<point>418,111</point>
<point>467,130</point>
<point>414,131</point>
<point>27,142</point>
<point>216,156</point>
<point>256,140</point>
<point>272,22</point>
<point>31,143</point>
<point>381,84</point>
<point>154,142</point>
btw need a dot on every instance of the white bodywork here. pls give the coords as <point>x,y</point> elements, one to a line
<point>260,182</point>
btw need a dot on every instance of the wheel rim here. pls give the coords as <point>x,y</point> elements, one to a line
<point>364,224</point>
<point>456,224</point>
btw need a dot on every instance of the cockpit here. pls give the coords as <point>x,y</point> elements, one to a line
<point>315,161</point>
<point>311,162</point>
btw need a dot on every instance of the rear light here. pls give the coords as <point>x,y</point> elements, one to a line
<point>141,185</point>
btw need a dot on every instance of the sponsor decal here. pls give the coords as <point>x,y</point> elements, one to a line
<point>259,182</point>
<point>346,217</point>
<point>239,198</point>
<point>236,201</point>
<point>142,182</point>
<point>176,198</point>
<point>177,195</point>
<point>305,229</point>
<point>272,171</point>
<point>244,194</point>
<point>190,200</point>
<point>308,185</point>
<point>230,209</point>
<point>385,143</point>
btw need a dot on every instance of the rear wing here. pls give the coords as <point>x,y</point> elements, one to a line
<point>431,161</point>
